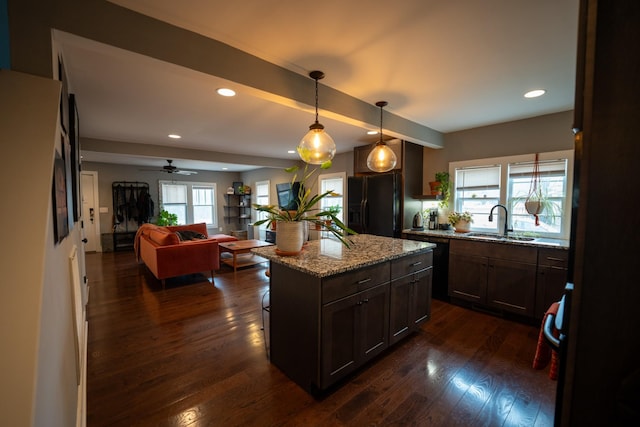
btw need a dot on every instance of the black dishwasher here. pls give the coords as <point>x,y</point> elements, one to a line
<point>440,282</point>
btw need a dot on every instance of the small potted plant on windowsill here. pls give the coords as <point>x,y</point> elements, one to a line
<point>461,221</point>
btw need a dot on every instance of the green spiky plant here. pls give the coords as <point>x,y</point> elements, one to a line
<point>307,210</point>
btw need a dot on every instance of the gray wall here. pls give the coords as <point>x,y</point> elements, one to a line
<point>108,173</point>
<point>540,134</point>
<point>340,163</point>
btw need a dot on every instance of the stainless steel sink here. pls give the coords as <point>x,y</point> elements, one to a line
<point>484,235</point>
<point>495,236</point>
<point>521,238</point>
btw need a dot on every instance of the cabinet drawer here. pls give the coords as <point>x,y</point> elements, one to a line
<point>411,264</point>
<point>528,254</point>
<point>553,257</point>
<point>351,282</point>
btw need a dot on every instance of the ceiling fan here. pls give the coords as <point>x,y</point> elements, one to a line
<point>172,169</point>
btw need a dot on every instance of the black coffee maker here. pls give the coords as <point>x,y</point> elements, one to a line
<point>433,219</point>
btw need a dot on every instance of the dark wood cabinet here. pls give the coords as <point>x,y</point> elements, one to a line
<point>354,329</point>
<point>323,328</point>
<point>410,295</point>
<point>493,275</point>
<point>511,285</point>
<point>470,282</point>
<point>551,278</point>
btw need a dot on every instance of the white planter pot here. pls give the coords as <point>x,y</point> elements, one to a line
<point>290,236</point>
<point>462,226</point>
<point>533,207</point>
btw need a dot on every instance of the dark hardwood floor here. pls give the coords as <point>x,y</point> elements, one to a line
<point>193,354</point>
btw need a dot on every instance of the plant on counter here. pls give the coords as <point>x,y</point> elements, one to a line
<point>455,217</point>
<point>166,218</point>
<point>307,210</point>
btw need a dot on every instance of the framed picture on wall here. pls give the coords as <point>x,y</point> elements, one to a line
<point>59,195</point>
<point>64,97</point>
<point>75,161</point>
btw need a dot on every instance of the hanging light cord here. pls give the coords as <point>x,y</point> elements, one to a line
<point>381,124</point>
<point>316,100</point>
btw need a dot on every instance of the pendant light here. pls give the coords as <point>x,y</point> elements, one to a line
<point>317,146</point>
<point>381,158</point>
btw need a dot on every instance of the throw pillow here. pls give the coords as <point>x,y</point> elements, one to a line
<point>190,235</point>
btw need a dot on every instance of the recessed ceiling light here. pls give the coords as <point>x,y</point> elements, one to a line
<point>535,93</point>
<point>372,132</point>
<point>291,151</point>
<point>224,169</point>
<point>223,91</point>
<point>174,136</point>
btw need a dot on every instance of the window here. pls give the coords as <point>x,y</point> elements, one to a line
<point>479,185</point>
<point>332,182</point>
<point>192,202</point>
<point>553,174</point>
<point>262,198</point>
<point>477,190</point>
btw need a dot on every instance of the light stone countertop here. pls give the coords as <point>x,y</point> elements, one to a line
<point>540,242</point>
<point>328,256</point>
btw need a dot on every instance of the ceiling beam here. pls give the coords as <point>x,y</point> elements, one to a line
<point>97,19</point>
<point>170,152</point>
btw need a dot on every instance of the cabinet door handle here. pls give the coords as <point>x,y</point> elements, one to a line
<point>551,258</point>
<point>360,282</point>
<point>366,300</point>
<point>415,264</point>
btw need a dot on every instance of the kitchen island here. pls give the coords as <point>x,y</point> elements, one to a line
<point>333,308</point>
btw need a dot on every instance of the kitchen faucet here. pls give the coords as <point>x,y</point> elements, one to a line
<point>506,219</point>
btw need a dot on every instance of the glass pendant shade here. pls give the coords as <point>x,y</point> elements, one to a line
<point>317,146</point>
<point>381,158</point>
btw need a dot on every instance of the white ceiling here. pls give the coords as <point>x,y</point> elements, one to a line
<point>446,65</point>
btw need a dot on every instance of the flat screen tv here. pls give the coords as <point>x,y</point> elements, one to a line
<point>288,195</point>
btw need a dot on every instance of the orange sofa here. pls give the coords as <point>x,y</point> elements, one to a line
<point>166,255</point>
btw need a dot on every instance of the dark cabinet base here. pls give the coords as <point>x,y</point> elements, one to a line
<point>324,329</point>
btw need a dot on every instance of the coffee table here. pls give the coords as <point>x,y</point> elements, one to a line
<point>241,253</point>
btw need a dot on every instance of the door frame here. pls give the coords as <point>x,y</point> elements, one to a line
<point>96,203</point>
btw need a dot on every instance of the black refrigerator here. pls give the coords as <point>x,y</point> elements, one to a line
<point>375,204</point>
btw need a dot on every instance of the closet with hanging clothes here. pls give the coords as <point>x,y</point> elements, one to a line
<point>132,207</point>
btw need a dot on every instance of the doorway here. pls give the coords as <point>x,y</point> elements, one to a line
<point>90,211</point>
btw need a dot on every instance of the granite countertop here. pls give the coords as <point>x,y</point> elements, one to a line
<point>450,234</point>
<point>328,256</point>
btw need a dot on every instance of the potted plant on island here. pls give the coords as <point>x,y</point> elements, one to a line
<point>290,224</point>
<point>461,221</point>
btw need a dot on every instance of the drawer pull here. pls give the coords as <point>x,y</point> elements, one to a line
<point>360,282</point>
<point>551,258</point>
<point>415,264</point>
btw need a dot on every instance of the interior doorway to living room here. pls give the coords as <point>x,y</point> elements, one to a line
<point>90,215</point>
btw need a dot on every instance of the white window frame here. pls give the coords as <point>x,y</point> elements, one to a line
<point>329,200</point>
<point>258,200</point>
<point>190,185</point>
<point>504,162</point>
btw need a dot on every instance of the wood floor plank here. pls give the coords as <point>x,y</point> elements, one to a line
<point>192,353</point>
